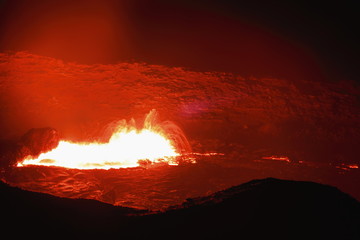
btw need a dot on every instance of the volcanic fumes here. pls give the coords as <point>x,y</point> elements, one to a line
<point>127,146</point>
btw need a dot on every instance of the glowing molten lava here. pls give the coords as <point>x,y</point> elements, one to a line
<point>127,147</point>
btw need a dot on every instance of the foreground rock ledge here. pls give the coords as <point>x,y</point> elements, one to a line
<point>258,209</point>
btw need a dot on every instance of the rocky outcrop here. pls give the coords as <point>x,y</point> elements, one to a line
<point>32,143</point>
<point>40,140</point>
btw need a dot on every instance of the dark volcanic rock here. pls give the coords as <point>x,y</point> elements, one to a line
<point>39,140</point>
<point>269,208</point>
<point>33,143</point>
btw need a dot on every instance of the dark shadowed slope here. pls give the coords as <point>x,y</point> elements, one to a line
<point>268,208</point>
<point>41,214</point>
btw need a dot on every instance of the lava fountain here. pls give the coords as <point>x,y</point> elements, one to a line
<point>128,146</point>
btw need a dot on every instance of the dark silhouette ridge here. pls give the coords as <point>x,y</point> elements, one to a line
<point>268,208</point>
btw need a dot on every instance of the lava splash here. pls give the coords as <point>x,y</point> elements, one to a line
<point>127,147</point>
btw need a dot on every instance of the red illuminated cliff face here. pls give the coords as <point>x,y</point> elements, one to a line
<point>253,122</point>
<point>80,100</point>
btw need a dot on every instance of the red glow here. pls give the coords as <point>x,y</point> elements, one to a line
<point>112,31</point>
<point>277,158</point>
<point>353,166</point>
<point>86,31</point>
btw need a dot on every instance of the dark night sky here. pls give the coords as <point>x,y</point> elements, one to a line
<point>284,39</point>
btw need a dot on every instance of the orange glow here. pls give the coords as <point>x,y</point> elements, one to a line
<point>348,167</point>
<point>277,158</point>
<point>125,148</point>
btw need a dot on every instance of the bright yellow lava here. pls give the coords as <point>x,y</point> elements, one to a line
<point>124,149</point>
